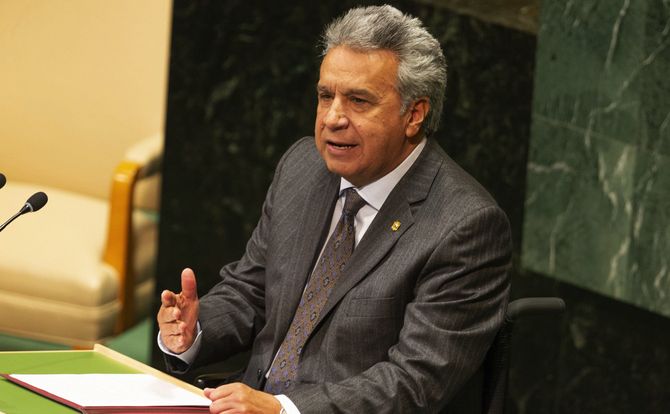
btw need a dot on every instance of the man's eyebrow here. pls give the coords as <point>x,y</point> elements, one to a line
<point>360,92</point>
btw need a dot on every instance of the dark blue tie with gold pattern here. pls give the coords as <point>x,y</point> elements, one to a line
<point>332,262</point>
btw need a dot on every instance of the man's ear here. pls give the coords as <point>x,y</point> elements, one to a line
<point>417,112</point>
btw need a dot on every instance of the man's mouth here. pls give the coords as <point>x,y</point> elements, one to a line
<point>340,145</point>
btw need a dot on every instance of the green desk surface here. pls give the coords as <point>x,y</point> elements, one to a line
<point>17,400</point>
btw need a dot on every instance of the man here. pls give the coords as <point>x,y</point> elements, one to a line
<point>400,321</point>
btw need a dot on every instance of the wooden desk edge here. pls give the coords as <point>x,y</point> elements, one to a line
<point>145,368</point>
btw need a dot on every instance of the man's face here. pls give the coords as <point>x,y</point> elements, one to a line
<point>360,132</point>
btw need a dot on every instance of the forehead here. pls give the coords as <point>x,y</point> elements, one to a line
<point>345,67</point>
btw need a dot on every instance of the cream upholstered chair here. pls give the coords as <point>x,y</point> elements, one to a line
<point>81,269</point>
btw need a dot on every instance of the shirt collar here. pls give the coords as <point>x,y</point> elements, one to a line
<point>377,191</point>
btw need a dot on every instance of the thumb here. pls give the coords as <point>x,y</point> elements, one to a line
<point>189,289</point>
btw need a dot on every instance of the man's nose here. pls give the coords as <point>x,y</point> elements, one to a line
<point>336,118</point>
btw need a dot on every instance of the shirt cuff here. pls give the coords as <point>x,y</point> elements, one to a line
<point>287,404</point>
<point>189,355</point>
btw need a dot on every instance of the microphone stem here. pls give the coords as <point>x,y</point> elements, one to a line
<point>6,223</point>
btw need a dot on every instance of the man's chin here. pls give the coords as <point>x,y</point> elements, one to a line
<point>340,169</point>
<point>337,169</point>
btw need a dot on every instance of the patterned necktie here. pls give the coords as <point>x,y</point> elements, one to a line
<point>332,262</point>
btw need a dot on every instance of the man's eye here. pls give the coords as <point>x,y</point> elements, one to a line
<point>325,96</point>
<point>357,100</point>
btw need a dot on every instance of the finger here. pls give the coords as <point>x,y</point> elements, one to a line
<point>173,342</point>
<point>225,406</point>
<point>165,323</point>
<point>176,313</point>
<point>165,315</point>
<point>186,329</point>
<point>177,328</point>
<point>170,338</point>
<point>223,391</point>
<point>168,298</point>
<point>188,286</point>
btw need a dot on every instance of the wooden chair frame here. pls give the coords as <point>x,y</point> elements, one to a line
<point>119,246</point>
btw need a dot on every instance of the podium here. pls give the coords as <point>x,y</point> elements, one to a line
<point>15,399</point>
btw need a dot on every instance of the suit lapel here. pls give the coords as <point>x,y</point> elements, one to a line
<point>380,237</point>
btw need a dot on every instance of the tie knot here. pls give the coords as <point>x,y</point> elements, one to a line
<point>352,203</point>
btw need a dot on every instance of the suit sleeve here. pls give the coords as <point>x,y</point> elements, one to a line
<point>458,306</point>
<point>233,311</point>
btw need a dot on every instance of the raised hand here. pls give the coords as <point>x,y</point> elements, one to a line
<point>178,315</point>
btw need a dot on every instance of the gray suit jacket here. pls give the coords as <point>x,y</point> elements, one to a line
<point>414,313</point>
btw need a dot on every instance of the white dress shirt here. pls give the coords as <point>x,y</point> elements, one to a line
<point>374,194</point>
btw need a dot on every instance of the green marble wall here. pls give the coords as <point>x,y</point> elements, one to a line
<point>597,211</point>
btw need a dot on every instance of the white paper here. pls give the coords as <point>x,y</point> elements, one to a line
<point>101,390</point>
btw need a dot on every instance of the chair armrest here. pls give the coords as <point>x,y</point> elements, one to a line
<point>217,379</point>
<point>142,160</point>
<point>533,306</point>
<point>496,365</point>
<point>148,154</point>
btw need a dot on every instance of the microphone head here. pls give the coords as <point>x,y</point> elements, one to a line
<point>3,180</point>
<point>37,201</point>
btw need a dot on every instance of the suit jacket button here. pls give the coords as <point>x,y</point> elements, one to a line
<point>259,374</point>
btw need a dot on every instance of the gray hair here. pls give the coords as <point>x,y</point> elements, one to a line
<point>422,68</point>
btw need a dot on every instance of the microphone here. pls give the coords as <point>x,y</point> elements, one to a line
<point>3,180</point>
<point>34,203</point>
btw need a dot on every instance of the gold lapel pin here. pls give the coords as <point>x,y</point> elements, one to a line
<point>395,226</point>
